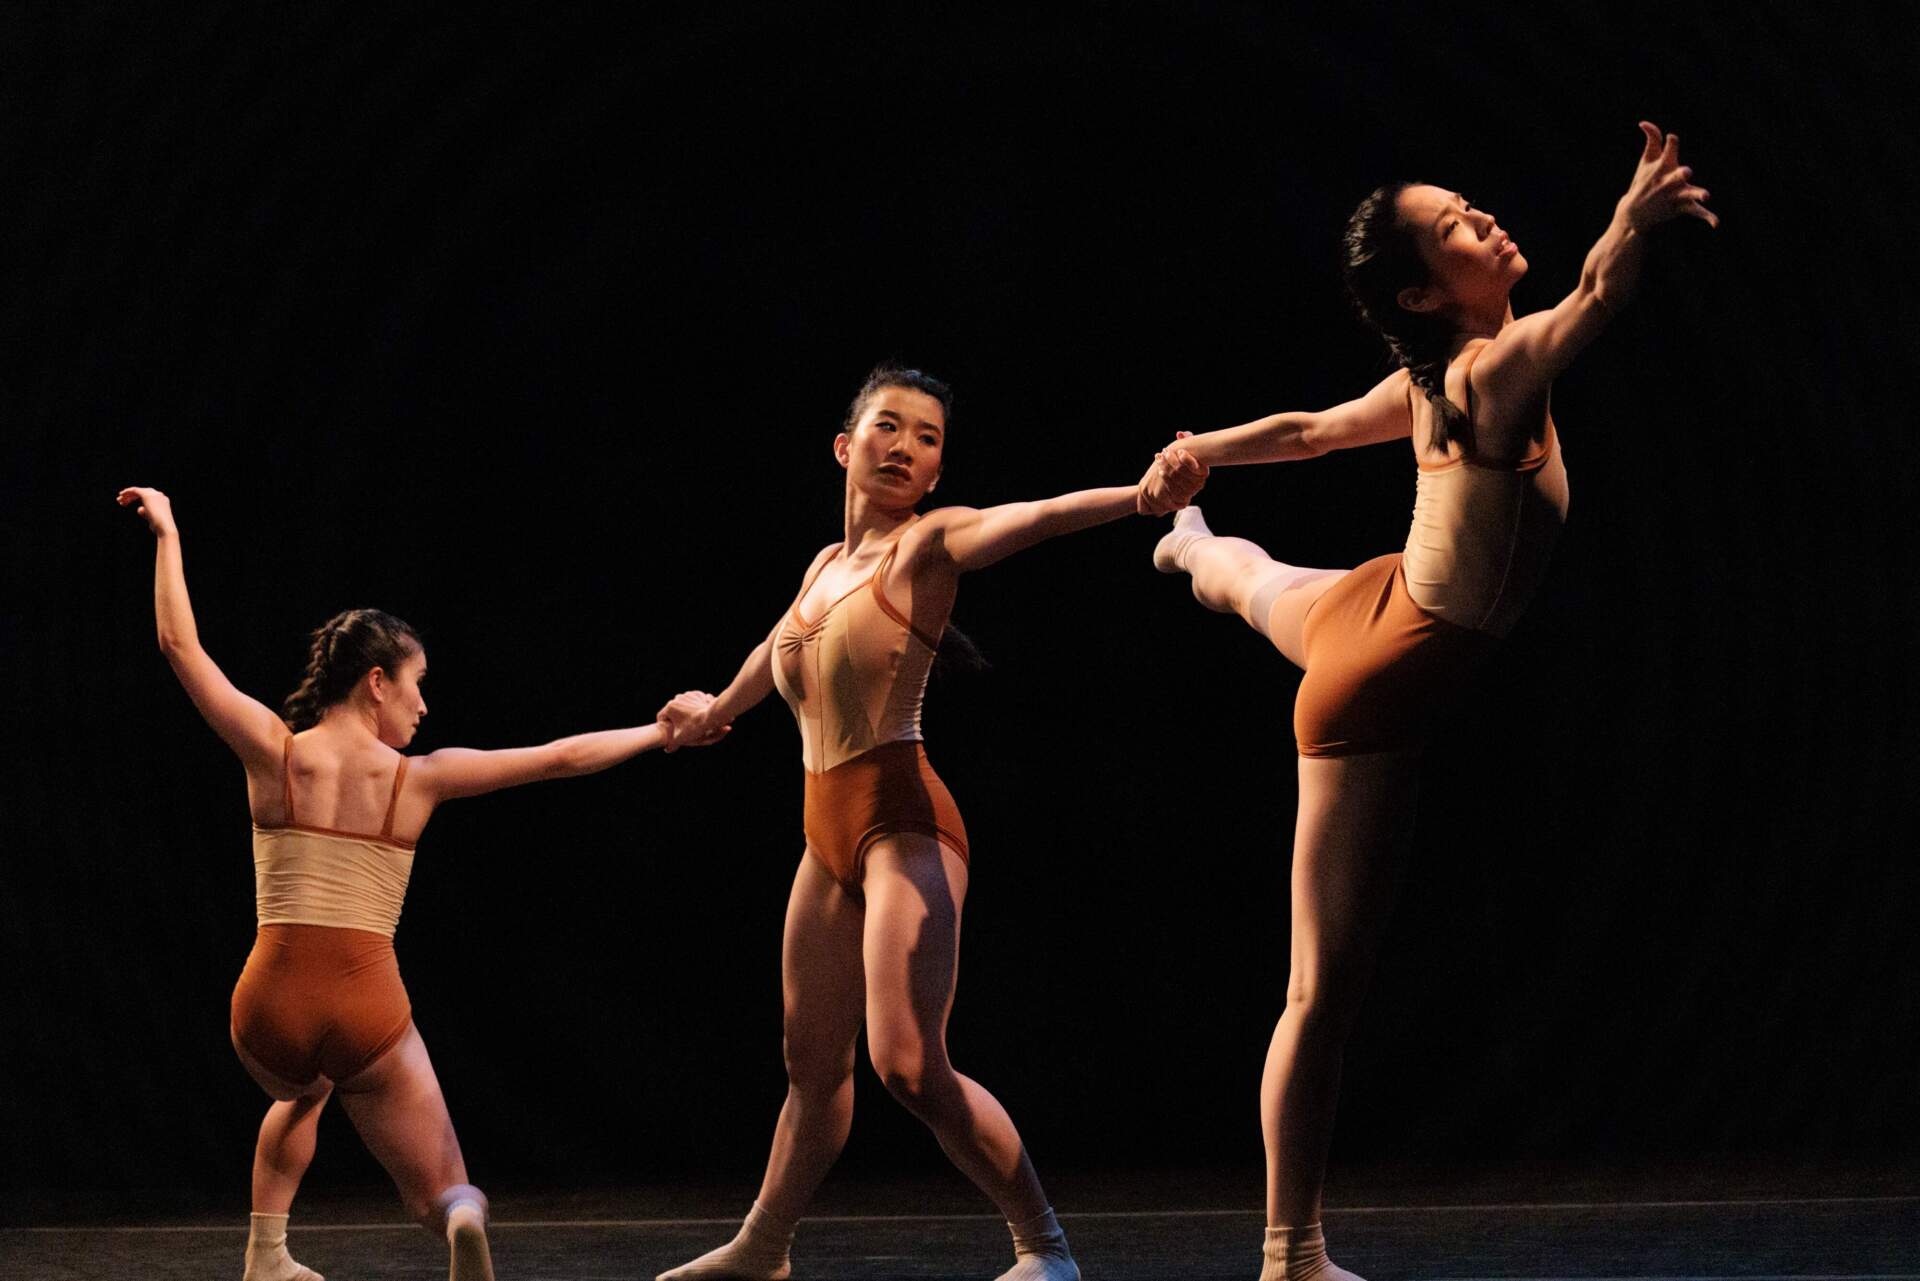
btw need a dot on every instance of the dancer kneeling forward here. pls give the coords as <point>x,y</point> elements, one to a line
<point>1387,648</point>
<point>319,1009</point>
<point>873,923</point>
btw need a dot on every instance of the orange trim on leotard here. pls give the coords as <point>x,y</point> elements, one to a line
<point>385,836</point>
<point>393,801</point>
<point>886,606</point>
<point>879,598</point>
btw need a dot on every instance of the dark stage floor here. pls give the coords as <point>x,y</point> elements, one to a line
<point>1141,1227</point>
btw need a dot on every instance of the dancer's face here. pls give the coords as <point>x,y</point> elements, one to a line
<point>892,455</point>
<point>400,705</point>
<point>1472,263</point>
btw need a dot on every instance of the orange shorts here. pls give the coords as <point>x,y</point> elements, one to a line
<point>1381,671</point>
<point>316,1000</point>
<point>890,789</point>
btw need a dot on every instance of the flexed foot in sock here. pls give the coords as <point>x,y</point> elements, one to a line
<point>267,1257</point>
<point>1040,1251</point>
<point>1189,527</point>
<point>1300,1254</point>
<point>759,1252</point>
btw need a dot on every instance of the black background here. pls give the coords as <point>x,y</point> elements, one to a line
<point>535,329</point>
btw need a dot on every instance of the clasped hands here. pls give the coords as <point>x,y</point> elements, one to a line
<point>1171,481</point>
<point>685,722</point>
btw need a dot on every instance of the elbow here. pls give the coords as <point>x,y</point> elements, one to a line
<point>1311,441</point>
<point>566,759</point>
<point>1603,295</point>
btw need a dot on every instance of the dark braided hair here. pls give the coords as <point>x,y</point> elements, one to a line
<point>957,651</point>
<point>347,647</point>
<point>1379,260</point>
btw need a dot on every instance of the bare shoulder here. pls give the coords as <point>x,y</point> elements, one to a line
<point>924,542</point>
<point>1502,390</point>
<point>820,558</point>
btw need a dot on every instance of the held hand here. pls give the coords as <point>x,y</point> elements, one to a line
<point>685,721</point>
<point>1186,475</point>
<point>153,506</point>
<point>1662,187</point>
<point>1171,482</point>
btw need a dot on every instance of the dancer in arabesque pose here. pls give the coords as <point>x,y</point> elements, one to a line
<point>1388,647</point>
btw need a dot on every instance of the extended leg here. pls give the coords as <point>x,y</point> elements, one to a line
<point>1234,576</point>
<point>1349,847</point>
<point>915,888</point>
<point>824,1006</point>
<point>397,1106</point>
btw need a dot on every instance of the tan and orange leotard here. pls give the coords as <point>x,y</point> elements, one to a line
<point>321,992</point>
<point>1390,645</point>
<point>855,677</point>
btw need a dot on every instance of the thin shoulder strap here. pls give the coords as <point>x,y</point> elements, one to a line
<point>393,802</point>
<point>286,776</point>
<point>886,606</point>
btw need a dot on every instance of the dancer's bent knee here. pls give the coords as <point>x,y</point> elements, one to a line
<point>924,1090</point>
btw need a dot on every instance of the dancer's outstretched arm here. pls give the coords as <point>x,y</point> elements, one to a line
<point>975,537</point>
<point>256,734</point>
<point>1529,353</point>
<point>466,771</point>
<point>1382,414</point>
<point>247,725</point>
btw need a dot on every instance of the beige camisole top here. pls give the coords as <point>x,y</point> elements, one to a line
<point>1483,532</point>
<point>319,876</point>
<point>855,676</point>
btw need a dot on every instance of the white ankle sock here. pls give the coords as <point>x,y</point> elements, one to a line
<point>758,1252</point>
<point>467,1242</point>
<point>267,1257</point>
<point>1189,527</point>
<point>1300,1254</point>
<point>1040,1249</point>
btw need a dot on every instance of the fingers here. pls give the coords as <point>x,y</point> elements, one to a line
<point>1651,150</point>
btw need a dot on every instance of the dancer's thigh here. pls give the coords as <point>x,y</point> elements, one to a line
<point>1286,618</point>
<point>1350,841</point>
<point>821,974</point>
<point>396,1105</point>
<point>915,887</point>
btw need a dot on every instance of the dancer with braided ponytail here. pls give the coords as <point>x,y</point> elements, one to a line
<point>1388,646</point>
<point>319,1008</point>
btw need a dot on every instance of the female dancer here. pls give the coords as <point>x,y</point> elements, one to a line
<point>337,809</point>
<point>1386,646</point>
<point>873,923</point>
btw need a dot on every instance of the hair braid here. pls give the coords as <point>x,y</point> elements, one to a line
<point>1379,261</point>
<point>343,649</point>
